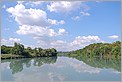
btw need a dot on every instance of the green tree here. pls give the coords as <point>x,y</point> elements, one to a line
<point>39,51</point>
<point>116,51</point>
<point>18,49</point>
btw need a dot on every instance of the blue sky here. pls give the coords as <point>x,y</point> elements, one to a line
<point>63,25</point>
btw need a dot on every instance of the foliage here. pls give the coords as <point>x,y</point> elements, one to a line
<point>99,49</point>
<point>5,49</point>
<point>19,50</point>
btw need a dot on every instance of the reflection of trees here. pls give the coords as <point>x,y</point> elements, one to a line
<point>16,65</point>
<point>101,62</point>
<point>98,61</point>
<point>44,60</point>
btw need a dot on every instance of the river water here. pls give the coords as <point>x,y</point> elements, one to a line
<point>59,69</point>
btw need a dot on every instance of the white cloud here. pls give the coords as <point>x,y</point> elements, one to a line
<point>34,3</point>
<point>59,44</point>
<point>10,41</point>
<point>55,22</point>
<point>44,36</point>
<point>38,31</point>
<point>31,16</point>
<point>20,2</point>
<point>78,43</point>
<point>83,40</point>
<point>84,13</point>
<point>76,65</point>
<point>113,37</point>
<point>62,31</point>
<point>76,17</point>
<point>14,39</point>
<point>35,22</point>
<point>63,6</point>
<point>80,66</point>
<point>50,74</point>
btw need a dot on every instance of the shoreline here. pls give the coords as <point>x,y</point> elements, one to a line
<point>4,56</point>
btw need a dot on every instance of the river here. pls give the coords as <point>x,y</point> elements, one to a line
<point>59,69</point>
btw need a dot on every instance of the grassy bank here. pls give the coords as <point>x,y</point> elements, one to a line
<point>10,56</point>
<point>13,56</point>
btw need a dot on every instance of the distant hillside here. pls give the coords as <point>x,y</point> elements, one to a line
<point>99,49</point>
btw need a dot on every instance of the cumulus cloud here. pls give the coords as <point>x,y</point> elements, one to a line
<point>31,16</point>
<point>81,14</point>
<point>63,6</point>
<point>84,40</point>
<point>44,36</point>
<point>55,22</point>
<point>14,39</point>
<point>31,3</point>
<point>62,31</point>
<point>38,31</point>
<point>84,13</point>
<point>59,44</point>
<point>78,43</point>
<point>35,23</point>
<point>35,31</point>
<point>20,2</point>
<point>10,41</point>
<point>34,3</point>
<point>76,18</point>
<point>113,37</point>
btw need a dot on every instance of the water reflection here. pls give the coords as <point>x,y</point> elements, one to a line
<point>101,62</point>
<point>16,65</point>
<point>62,69</point>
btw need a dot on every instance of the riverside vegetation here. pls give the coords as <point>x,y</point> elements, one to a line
<point>18,51</point>
<point>107,50</point>
<point>99,55</point>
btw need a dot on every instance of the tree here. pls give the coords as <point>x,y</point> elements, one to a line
<point>28,49</point>
<point>116,51</point>
<point>18,49</point>
<point>53,51</point>
<point>40,51</point>
<point>35,51</point>
<point>5,49</point>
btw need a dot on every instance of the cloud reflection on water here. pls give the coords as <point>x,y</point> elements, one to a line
<point>59,69</point>
<point>52,72</point>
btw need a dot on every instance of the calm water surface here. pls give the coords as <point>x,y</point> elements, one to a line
<point>59,69</point>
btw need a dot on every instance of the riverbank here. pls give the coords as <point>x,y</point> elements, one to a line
<point>10,56</point>
<point>13,56</point>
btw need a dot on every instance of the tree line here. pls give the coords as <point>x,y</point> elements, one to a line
<point>99,50</point>
<point>19,49</point>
